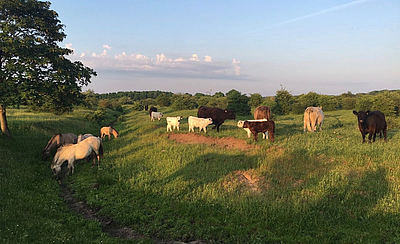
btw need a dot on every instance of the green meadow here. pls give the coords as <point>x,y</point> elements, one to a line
<point>322,187</point>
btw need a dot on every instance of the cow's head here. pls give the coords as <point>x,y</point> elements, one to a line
<point>229,114</point>
<point>361,115</point>
<point>240,123</point>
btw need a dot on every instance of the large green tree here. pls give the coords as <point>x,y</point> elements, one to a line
<point>34,69</point>
<point>238,103</point>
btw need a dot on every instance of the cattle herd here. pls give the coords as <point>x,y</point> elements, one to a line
<point>369,122</point>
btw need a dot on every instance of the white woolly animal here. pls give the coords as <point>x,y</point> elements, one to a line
<point>198,122</point>
<point>173,122</point>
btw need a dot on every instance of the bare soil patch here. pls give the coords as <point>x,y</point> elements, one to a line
<point>246,181</point>
<point>226,142</point>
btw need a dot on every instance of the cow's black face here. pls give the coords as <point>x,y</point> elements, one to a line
<point>229,114</point>
<point>361,115</point>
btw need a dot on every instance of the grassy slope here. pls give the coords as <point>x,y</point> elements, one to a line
<point>321,187</point>
<point>313,187</point>
<point>31,209</point>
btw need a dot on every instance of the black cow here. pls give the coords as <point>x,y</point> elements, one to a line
<point>217,115</point>
<point>371,122</point>
<point>261,126</point>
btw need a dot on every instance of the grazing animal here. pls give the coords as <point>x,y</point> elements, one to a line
<point>146,107</point>
<point>73,152</point>
<point>57,141</point>
<point>83,137</point>
<point>152,109</point>
<point>217,115</point>
<point>199,122</point>
<point>313,117</point>
<point>108,131</point>
<point>241,122</point>
<point>173,122</point>
<point>156,115</point>
<point>371,122</point>
<point>256,127</point>
<point>262,112</point>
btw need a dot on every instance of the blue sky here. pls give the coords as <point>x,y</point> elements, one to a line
<point>324,46</point>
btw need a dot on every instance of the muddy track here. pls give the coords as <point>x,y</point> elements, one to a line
<point>108,225</point>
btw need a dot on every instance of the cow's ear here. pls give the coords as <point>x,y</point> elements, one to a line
<point>355,112</point>
<point>367,112</point>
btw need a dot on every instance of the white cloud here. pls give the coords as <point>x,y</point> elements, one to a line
<point>236,67</point>
<point>161,65</point>
<point>107,47</point>
<point>194,58</point>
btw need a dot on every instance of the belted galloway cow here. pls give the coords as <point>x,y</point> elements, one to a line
<point>371,122</point>
<point>217,115</point>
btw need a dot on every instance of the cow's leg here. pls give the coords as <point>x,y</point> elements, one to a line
<point>255,134</point>
<point>363,137</point>
<point>204,128</point>
<point>248,133</point>
<point>370,137</point>
<point>384,134</point>
<point>306,126</point>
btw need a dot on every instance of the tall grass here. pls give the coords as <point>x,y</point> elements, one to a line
<point>322,187</point>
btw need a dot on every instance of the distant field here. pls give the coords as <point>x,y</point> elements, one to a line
<point>323,187</point>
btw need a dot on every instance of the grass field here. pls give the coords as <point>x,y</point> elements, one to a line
<point>323,187</point>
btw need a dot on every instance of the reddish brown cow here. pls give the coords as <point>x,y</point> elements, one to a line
<point>371,122</point>
<point>261,126</point>
<point>262,112</point>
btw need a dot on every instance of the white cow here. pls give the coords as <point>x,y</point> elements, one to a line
<point>199,122</point>
<point>156,115</point>
<point>173,122</point>
<point>313,117</point>
<point>241,122</point>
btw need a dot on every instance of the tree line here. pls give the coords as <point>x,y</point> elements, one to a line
<point>283,103</point>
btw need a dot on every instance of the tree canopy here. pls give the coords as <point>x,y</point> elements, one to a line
<point>34,69</point>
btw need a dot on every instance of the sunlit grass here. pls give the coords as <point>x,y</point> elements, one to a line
<point>322,187</point>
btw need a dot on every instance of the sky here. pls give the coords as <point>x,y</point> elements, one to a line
<point>324,46</point>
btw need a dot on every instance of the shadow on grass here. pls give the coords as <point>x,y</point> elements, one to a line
<point>211,167</point>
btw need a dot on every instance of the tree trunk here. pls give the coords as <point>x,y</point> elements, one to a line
<point>3,121</point>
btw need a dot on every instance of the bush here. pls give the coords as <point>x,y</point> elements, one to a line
<point>98,116</point>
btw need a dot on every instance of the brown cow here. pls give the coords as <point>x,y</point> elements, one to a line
<point>217,115</point>
<point>262,112</point>
<point>371,122</point>
<point>261,126</point>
